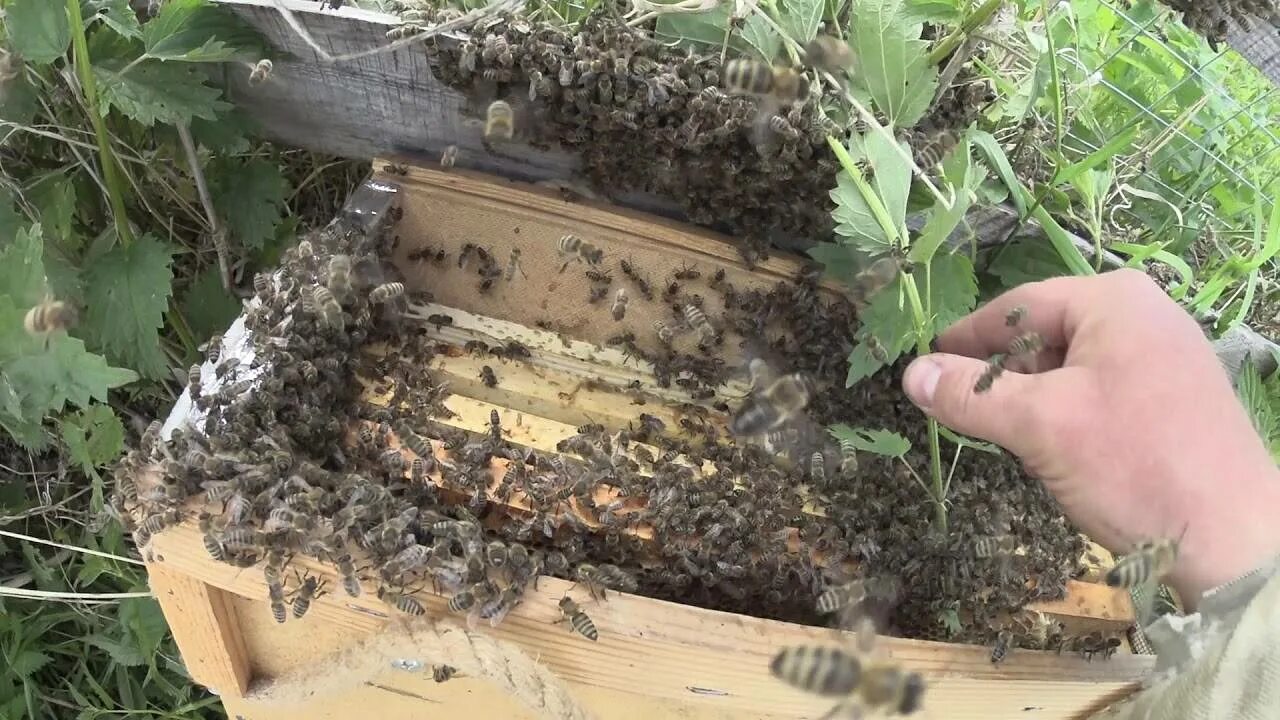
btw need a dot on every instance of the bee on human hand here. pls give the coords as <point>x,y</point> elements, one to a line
<point>1028,343</point>
<point>995,368</point>
<point>1015,316</point>
<point>578,620</point>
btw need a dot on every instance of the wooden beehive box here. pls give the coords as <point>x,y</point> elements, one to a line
<point>653,658</point>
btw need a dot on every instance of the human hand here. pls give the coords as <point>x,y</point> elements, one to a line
<point>1126,416</point>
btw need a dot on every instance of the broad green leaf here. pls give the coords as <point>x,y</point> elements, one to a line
<point>127,292</point>
<point>953,288</point>
<point>801,18</point>
<point>968,442</point>
<point>39,30</point>
<point>91,570</point>
<point>878,442</point>
<point>66,373</point>
<point>760,35</point>
<point>838,260</point>
<point>10,220</point>
<point>853,217</point>
<point>1261,402</point>
<point>888,320</point>
<point>938,12</point>
<point>863,364</point>
<point>207,306</point>
<point>249,196</point>
<point>63,275</point>
<point>28,662</point>
<point>54,197</point>
<point>890,176</point>
<point>893,60</point>
<point>197,31</point>
<point>155,91</point>
<point>93,436</point>
<point>229,134</point>
<point>1024,261</point>
<point>145,621</point>
<point>19,102</point>
<point>700,31</point>
<point>122,653</point>
<point>1023,100</point>
<point>964,178</point>
<point>22,270</point>
<point>115,13</point>
<point>1122,141</point>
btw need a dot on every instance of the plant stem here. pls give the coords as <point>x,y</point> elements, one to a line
<point>975,20</point>
<point>935,447</point>
<point>110,171</point>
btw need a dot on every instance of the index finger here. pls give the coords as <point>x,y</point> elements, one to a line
<point>1050,307</point>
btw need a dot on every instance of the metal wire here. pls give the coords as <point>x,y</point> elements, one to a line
<point>1213,143</point>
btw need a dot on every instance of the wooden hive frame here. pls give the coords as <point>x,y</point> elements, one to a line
<point>654,658</point>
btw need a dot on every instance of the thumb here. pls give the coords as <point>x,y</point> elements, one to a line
<point>1007,414</point>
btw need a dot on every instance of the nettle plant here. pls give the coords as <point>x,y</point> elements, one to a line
<point>934,282</point>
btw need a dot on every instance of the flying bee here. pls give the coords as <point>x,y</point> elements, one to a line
<point>877,349</point>
<point>596,276</point>
<point>1144,567</point>
<point>665,334</point>
<point>774,401</point>
<point>1028,343</point>
<point>49,317</point>
<point>386,292</point>
<point>462,601</point>
<point>754,77</point>
<point>310,589</point>
<point>260,72</point>
<point>600,579</point>
<point>995,368</point>
<point>449,157</point>
<point>339,276</point>
<point>1004,643</point>
<point>619,308</point>
<point>1015,316</point>
<point>576,247</point>
<point>875,277</point>
<point>406,604</point>
<point>513,264</point>
<point>500,121</point>
<point>488,377</point>
<point>579,621</point>
<point>828,54</point>
<point>347,571</point>
<point>866,684</point>
<point>934,149</point>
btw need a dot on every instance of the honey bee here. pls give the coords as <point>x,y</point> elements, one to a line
<point>211,542</point>
<point>878,275</point>
<point>310,589</point>
<point>574,246</point>
<point>579,621</point>
<point>395,169</point>
<point>1028,343</point>
<point>406,604</point>
<point>619,308</point>
<point>665,334</point>
<point>488,377</point>
<point>1004,643</point>
<point>327,306</point>
<point>995,368</point>
<point>818,466</point>
<point>754,77</point>
<point>495,425</point>
<point>779,125</point>
<point>774,400</point>
<point>441,673</point>
<point>276,594</point>
<point>877,350</point>
<point>49,317</point>
<point>513,264</point>
<point>939,144</point>
<point>347,571</point>
<point>449,157</point>
<point>599,579</point>
<point>840,597</point>
<point>1015,316</point>
<point>386,292</point>
<point>828,54</point>
<point>596,276</point>
<point>869,684</point>
<point>697,320</point>
<point>500,121</point>
<point>597,294</point>
<point>462,601</point>
<point>260,72</point>
<point>1149,562</point>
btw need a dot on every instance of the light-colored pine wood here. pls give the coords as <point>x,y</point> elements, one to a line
<point>662,649</point>
<point>205,628</point>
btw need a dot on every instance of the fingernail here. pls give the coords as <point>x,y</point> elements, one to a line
<point>920,381</point>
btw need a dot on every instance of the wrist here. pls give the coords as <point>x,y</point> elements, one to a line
<point>1229,533</point>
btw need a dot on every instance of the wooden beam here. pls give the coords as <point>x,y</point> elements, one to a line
<point>205,628</point>
<point>664,649</point>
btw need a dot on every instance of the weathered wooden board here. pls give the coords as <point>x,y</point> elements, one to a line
<point>661,650</point>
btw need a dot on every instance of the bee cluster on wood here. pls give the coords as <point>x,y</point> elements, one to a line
<point>740,146</point>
